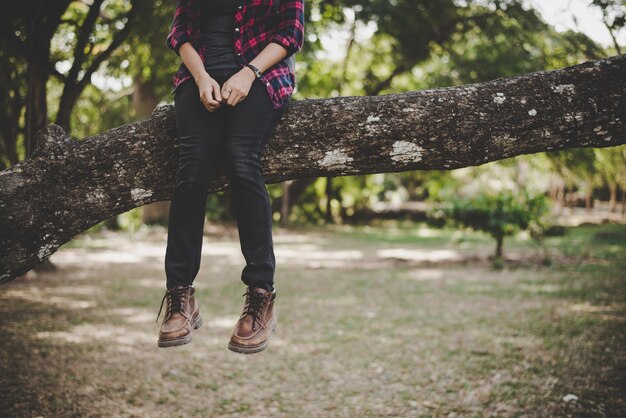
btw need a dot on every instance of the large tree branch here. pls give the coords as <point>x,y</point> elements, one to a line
<point>67,186</point>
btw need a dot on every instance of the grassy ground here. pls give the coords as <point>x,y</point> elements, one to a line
<point>397,320</point>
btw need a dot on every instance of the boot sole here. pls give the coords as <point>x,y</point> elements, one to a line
<point>183,340</point>
<point>254,349</point>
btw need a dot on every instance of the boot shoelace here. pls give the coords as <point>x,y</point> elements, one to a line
<point>253,306</point>
<point>175,302</point>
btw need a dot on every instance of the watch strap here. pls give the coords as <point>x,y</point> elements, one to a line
<point>257,72</point>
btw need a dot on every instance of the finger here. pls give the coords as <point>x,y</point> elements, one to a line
<point>234,97</point>
<point>226,97</point>
<point>242,97</point>
<point>207,105</point>
<point>216,90</point>
<point>214,103</point>
<point>211,100</point>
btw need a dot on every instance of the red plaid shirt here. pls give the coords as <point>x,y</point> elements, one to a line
<point>256,25</point>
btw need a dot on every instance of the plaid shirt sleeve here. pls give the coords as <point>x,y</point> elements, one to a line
<point>178,32</point>
<point>290,31</point>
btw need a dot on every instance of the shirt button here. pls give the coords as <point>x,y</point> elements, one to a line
<point>240,7</point>
<point>237,29</point>
<point>267,84</point>
<point>238,53</point>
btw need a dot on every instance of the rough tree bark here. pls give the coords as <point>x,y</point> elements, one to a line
<point>67,186</point>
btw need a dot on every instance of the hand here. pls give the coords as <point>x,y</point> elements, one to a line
<point>210,94</point>
<point>236,88</point>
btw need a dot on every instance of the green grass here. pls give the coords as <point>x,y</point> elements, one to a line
<point>360,337</point>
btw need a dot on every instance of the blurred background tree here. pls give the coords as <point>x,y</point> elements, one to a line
<point>499,213</point>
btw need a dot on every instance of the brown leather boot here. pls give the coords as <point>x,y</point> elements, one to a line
<point>256,323</point>
<point>182,314</point>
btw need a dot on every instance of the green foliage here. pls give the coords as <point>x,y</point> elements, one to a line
<point>390,46</point>
<point>504,42</point>
<point>499,214</point>
<point>131,220</point>
<point>610,165</point>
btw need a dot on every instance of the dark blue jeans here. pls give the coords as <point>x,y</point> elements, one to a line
<point>234,137</point>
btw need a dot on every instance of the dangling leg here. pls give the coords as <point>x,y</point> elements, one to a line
<point>248,126</point>
<point>199,132</point>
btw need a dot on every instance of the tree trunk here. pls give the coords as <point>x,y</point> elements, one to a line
<point>499,243</point>
<point>71,94</point>
<point>296,188</point>
<point>10,114</point>
<point>613,196</point>
<point>112,223</point>
<point>561,197</point>
<point>570,198</point>
<point>588,194</point>
<point>284,208</point>
<point>36,114</point>
<point>67,186</point>
<point>623,201</point>
<point>329,200</point>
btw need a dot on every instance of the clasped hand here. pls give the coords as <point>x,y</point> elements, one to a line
<point>212,95</point>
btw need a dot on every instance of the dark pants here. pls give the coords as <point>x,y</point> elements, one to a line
<point>234,137</point>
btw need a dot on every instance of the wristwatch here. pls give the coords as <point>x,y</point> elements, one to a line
<point>257,72</point>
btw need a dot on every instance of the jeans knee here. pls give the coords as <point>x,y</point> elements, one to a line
<point>244,165</point>
<point>193,175</point>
